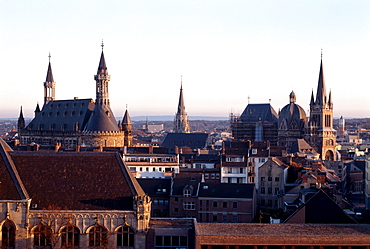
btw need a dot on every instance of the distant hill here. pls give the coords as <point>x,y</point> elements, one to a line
<point>171,118</point>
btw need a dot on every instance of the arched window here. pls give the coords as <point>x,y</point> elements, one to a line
<point>70,236</point>
<point>125,236</point>
<point>42,236</point>
<point>98,236</point>
<point>8,234</point>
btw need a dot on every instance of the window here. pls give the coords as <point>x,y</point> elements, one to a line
<point>171,242</point>
<point>214,218</point>
<point>262,202</point>
<point>176,210</point>
<point>125,236</point>
<point>176,200</point>
<point>189,205</point>
<point>98,236</point>
<point>70,236</point>
<point>42,236</point>
<point>8,234</point>
<point>235,204</point>
<point>229,170</point>
<point>224,204</point>
<point>215,204</point>
<point>187,192</point>
<point>235,218</point>
<point>269,179</point>
<point>200,204</point>
<point>269,203</point>
<point>276,191</point>
<point>262,190</point>
<point>241,170</point>
<point>206,176</point>
<point>213,176</point>
<point>224,218</point>
<point>269,190</point>
<point>262,179</point>
<point>277,179</point>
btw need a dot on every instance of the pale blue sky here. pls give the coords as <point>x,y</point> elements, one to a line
<point>225,51</point>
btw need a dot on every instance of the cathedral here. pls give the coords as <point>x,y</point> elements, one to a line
<point>260,122</point>
<point>76,122</point>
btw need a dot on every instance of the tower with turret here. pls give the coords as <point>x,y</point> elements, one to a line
<point>49,85</point>
<point>321,134</point>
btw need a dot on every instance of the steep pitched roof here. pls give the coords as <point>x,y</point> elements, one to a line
<point>126,118</point>
<point>102,119</point>
<point>320,208</point>
<point>102,68</point>
<point>63,115</point>
<point>11,185</point>
<point>181,105</point>
<point>77,180</point>
<point>259,112</point>
<point>191,140</point>
<point>49,74</point>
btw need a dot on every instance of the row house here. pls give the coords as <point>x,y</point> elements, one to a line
<point>149,164</point>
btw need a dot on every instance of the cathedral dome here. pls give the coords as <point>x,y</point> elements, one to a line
<point>292,116</point>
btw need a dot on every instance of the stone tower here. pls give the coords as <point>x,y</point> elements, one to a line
<point>321,134</point>
<point>181,119</point>
<point>102,128</point>
<point>49,85</point>
<point>127,129</point>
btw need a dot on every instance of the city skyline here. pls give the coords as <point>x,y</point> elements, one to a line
<point>229,53</point>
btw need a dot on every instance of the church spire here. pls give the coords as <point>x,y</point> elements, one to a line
<point>127,129</point>
<point>321,89</point>
<point>102,78</point>
<point>21,122</point>
<point>49,85</point>
<point>181,119</point>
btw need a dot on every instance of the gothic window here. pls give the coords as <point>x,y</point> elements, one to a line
<point>42,236</point>
<point>8,235</point>
<point>125,236</point>
<point>70,237</point>
<point>98,236</point>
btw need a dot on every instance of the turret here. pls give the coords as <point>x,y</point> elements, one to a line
<point>49,85</point>
<point>102,78</point>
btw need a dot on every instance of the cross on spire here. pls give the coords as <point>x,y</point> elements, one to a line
<point>49,56</point>
<point>102,44</point>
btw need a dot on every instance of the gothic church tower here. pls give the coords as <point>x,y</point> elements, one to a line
<point>321,134</point>
<point>181,118</point>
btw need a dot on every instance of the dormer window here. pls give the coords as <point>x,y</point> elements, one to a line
<point>187,191</point>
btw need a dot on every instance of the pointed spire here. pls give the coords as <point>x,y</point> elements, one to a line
<point>126,118</point>
<point>49,74</point>
<point>312,98</point>
<point>321,89</point>
<point>37,109</point>
<point>21,122</point>
<point>181,106</point>
<point>330,101</point>
<point>102,66</point>
<point>292,97</point>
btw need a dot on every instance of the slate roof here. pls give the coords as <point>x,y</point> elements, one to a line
<point>191,140</point>
<point>63,115</point>
<point>77,180</point>
<point>102,119</point>
<point>226,190</point>
<point>259,112</point>
<point>181,182</point>
<point>320,208</point>
<point>301,146</point>
<point>152,185</point>
<point>49,74</point>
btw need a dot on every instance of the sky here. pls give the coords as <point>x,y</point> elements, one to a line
<point>227,52</point>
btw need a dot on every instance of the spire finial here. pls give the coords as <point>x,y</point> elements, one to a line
<point>49,56</point>
<point>102,44</point>
<point>126,106</point>
<point>321,53</point>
